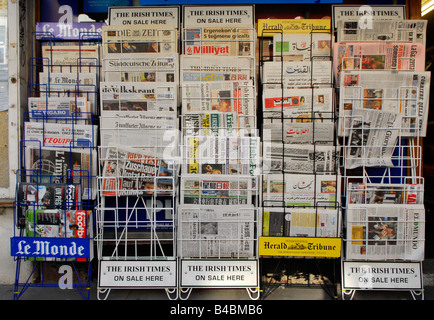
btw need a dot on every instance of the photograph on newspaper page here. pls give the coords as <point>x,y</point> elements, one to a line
<point>216,232</point>
<point>385,232</point>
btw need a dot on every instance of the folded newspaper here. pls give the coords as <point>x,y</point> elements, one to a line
<point>52,109</point>
<point>302,47</point>
<point>134,171</point>
<point>216,232</point>
<point>405,92</point>
<point>219,41</point>
<point>301,190</point>
<point>70,58</point>
<point>385,232</point>
<point>297,222</point>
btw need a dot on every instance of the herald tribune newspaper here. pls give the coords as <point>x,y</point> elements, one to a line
<point>385,232</point>
<point>147,67</point>
<point>297,74</point>
<point>378,56</point>
<point>405,92</point>
<point>216,232</point>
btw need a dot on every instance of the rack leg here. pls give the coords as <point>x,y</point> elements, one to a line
<point>102,294</point>
<point>172,294</point>
<point>187,293</point>
<point>254,293</point>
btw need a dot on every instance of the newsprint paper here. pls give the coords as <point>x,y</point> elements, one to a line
<point>301,190</point>
<point>383,30</point>
<point>385,232</point>
<point>81,58</point>
<point>405,92</point>
<point>216,232</point>
<point>300,222</point>
<point>55,109</point>
<point>301,47</point>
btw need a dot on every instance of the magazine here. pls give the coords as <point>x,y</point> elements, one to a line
<point>45,196</point>
<point>128,97</point>
<point>146,67</point>
<point>299,104</point>
<point>385,232</point>
<point>319,133</point>
<point>60,134</point>
<point>384,193</point>
<point>216,232</point>
<point>219,41</point>
<point>70,58</point>
<point>296,222</point>
<point>299,158</point>
<point>216,189</point>
<point>383,30</point>
<point>63,165</point>
<point>301,190</point>
<point>378,56</point>
<point>221,155</point>
<point>216,68</point>
<point>299,74</point>
<point>302,47</point>
<point>132,171</point>
<point>48,109</point>
<point>139,39</point>
<point>405,92</point>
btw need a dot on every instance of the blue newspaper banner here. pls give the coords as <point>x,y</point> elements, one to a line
<point>50,247</point>
<point>69,31</point>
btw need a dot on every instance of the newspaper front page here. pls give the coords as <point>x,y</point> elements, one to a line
<point>383,30</point>
<point>301,47</point>
<point>210,123</point>
<point>132,171</point>
<point>385,232</point>
<point>297,222</point>
<point>216,232</point>
<point>146,67</point>
<point>301,190</point>
<point>299,74</point>
<point>378,56</point>
<point>54,109</point>
<point>372,138</point>
<point>404,92</point>
<point>81,58</point>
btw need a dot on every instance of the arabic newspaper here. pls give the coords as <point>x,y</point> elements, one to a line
<point>219,41</point>
<point>372,138</point>
<point>300,104</point>
<point>61,134</point>
<point>81,58</point>
<point>297,74</point>
<point>58,110</point>
<point>216,189</point>
<point>128,97</point>
<point>405,92</point>
<point>384,193</point>
<point>319,133</point>
<point>383,30</point>
<point>146,67</point>
<point>302,47</point>
<point>221,155</point>
<point>297,222</point>
<point>385,232</point>
<point>299,158</point>
<point>132,171</point>
<point>216,68</point>
<point>301,190</point>
<point>139,39</point>
<point>63,165</point>
<point>216,232</point>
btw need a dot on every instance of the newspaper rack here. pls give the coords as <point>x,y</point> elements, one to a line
<point>53,210</point>
<point>381,163</point>
<point>299,134</point>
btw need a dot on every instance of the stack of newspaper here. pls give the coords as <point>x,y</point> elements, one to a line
<point>301,188</point>
<point>220,154</point>
<point>139,101</point>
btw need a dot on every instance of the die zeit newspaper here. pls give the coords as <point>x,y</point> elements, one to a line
<point>219,41</point>
<point>377,56</point>
<point>129,171</point>
<point>383,30</point>
<point>405,93</point>
<point>147,67</point>
<point>139,39</point>
<point>214,232</point>
<point>301,222</point>
<point>385,232</point>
